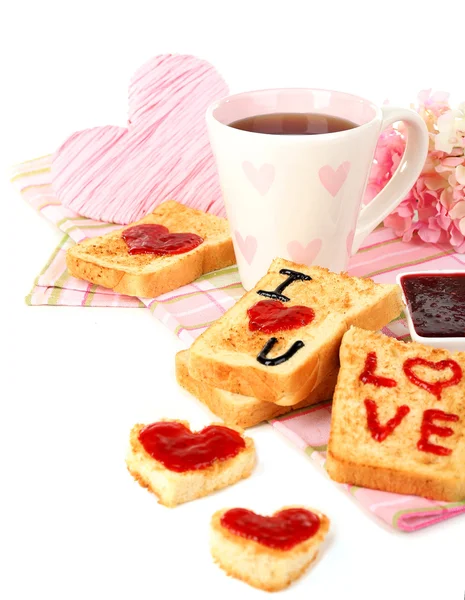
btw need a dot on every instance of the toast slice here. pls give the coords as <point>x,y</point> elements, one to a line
<point>173,487</point>
<point>243,411</point>
<point>420,452</point>
<point>105,260</point>
<point>267,568</point>
<point>227,355</point>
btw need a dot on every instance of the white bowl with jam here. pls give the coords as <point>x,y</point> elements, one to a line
<point>435,307</point>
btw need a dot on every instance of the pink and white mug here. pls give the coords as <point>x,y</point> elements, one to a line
<point>299,196</point>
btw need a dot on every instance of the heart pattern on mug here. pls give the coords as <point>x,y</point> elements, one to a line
<point>333,180</point>
<point>247,246</point>
<point>118,174</point>
<point>262,178</point>
<point>304,255</point>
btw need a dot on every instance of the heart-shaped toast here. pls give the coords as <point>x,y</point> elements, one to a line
<point>179,465</point>
<point>267,552</point>
<point>271,316</point>
<point>119,174</point>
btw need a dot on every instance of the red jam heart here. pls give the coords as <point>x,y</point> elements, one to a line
<point>271,316</point>
<point>179,449</point>
<point>436,387</point>
<point>368,374</point>
<point>284,530</point>
<point>156,239</point>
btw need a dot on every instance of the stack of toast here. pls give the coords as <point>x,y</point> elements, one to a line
<point>248,368</point>
<point>302,335</point>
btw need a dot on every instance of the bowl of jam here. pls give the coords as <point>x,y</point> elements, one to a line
<point>435,307</point>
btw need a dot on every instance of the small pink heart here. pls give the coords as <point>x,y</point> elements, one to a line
<point>350,241</point>
<point>332,179</point>
<point>304,255</point>
<point>247,246</point>
<point>261,178</point>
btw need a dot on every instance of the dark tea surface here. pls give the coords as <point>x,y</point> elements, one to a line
<point>293,124</point>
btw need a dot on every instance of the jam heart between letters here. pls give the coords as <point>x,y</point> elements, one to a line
<point>179,449</point>
<point>436,387</point>
<point>284,530</point>
<point>156,239</point>
<point>270,316</point>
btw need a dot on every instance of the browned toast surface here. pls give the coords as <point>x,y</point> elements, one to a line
<point>226,356</point>
<point>421,452</point>
<point>105,260</point>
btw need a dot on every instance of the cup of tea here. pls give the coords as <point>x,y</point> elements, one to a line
<point>293,167</point>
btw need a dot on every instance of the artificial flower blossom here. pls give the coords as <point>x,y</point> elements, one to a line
<point>451,126</point>
<point>434,209</point>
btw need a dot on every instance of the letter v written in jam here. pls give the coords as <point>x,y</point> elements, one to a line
<point>378,431</point>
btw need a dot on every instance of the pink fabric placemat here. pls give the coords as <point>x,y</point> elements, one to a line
<point>191,309</point>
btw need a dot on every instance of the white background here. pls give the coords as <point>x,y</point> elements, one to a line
<point>73,381</point>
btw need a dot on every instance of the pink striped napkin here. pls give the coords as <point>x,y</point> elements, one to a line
<point>191,309</point>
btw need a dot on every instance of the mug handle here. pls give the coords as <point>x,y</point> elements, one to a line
<point>402,181</point>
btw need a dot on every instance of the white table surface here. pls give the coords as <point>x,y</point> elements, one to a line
<point>73,381</point>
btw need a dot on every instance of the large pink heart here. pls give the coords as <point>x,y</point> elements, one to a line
<point>304,255</point>
<point>333,179</point>
<point>120,175</point>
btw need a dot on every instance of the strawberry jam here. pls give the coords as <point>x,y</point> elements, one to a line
<point>284,530</point>
<point>179,449</point>
<point>435,387</point>
<point>156,239</point>
<point>380,432</point>
<point>436,303</point>
<point>368,374</point>
<point>428,427</point>
<point>271,316</point>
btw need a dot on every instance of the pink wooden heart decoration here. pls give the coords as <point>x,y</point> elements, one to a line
<point>247,246</point>
<point>304,255</point>
<point>119,174</point>
<point>332,179</point>
<point>261,178</point>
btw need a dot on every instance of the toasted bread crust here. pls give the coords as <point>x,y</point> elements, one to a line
<point>391,480</point>
<point>243,411</point>
<point>103,261</point>
<point>395,464</point>
<point>173,488</point>
<point>224,356</point>
<point>265,568</point>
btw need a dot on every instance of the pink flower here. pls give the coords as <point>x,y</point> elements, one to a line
<point>434,209</point>
<point>429,100</point>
